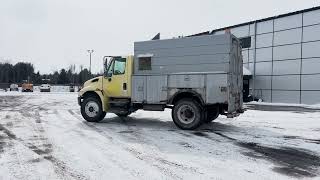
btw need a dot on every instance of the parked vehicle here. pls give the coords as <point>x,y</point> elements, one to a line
<point>45,88</point>
<point>14,87</point>
<point>199,78</point>
<point>71,88</point>
<point>27,87</point>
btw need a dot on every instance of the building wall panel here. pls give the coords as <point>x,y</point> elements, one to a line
<point>265,27</point>
<point>287,52</point>
<point>251,55</point>
<point>263,82</point>
<point>311,33</point>
<point>288,22</point>
<point>311,49</point>
<point>310,97</point>
<point>250,66</point>
<point>264,40</point>
<point>288,82</point>
<point>286,97</point>
<point>286,67</point>
<point>310,66</point>
<point>245,57</point>
<point>264,68</point>
<point>252,29</point>
<point>264,54</point>
<point>310,82</point>
<point>288,36</point>
<point>252,42</point>
<point>286,55</point>
<point>312,17</point>
<point>265,95</point>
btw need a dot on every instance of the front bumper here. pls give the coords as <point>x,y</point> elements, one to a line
<point>79,100</point>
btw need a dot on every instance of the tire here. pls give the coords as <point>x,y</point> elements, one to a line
<point>91,109</point>
<point>212,114</point>
<point>187,114</point>
<point>123,114</point>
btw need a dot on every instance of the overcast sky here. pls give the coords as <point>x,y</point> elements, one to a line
<point>53,34</point>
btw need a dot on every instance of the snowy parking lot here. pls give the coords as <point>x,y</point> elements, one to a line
<point>43,136</point>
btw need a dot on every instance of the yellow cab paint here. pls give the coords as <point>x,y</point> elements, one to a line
<point>95,87</point>
<point>119,85</point>
<point>113,86</point>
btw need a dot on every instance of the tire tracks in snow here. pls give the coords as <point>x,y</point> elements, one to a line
<point>293,162</point>
<point>86,125</point>
<point>153,159</point>
<point>60,167</point>
<point>45,150</point>
<point>38,143</point>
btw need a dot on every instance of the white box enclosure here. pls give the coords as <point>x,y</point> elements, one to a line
<point>210,66</point>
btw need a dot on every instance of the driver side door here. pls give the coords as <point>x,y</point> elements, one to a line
<point>116,79</point>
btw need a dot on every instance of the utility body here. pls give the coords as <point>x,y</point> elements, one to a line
<point>199,78</point>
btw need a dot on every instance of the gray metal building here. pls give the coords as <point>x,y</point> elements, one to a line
<point>283,54</point>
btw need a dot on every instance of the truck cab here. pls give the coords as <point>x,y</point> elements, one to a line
<point>108,93</point>
<point>179,74</point>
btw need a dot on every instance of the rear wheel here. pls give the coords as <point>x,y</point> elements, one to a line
<point>187,114</point>
<point>123,114</point>
<point>91,110</point>
<point>212,114</point>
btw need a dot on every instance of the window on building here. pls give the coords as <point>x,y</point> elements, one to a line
<point>119,66</point>
<point>245,42</point>
<point>144,63</point>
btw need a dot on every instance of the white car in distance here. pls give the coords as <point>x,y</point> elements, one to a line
<point>45,88</point>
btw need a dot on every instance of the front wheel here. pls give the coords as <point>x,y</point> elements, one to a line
<point>187,114</point>
<point>91,110</point>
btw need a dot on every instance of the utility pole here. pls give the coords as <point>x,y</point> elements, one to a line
<point>90,51</point>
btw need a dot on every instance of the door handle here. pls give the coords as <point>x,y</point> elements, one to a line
<point>109,79</point>
<point>124,86</point>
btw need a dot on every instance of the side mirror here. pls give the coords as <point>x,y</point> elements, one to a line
<point>105,61</point>
<point>105,64</point>
<point>109,74</point>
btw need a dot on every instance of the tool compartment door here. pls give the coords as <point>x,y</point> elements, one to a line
<point>156,89</point>
<point>139,89</point>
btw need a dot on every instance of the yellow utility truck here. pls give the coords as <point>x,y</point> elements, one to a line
<point>198,77</point>
<point>27,87</point>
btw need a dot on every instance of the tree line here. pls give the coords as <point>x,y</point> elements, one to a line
<point>25,72</point>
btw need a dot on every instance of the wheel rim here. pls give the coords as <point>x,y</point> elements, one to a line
<point>186,114</point>
<point>91,109</point>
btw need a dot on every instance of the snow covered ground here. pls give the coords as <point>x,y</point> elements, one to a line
<point>43,136</point>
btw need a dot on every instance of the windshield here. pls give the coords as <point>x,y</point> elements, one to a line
<point>119,66</point>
